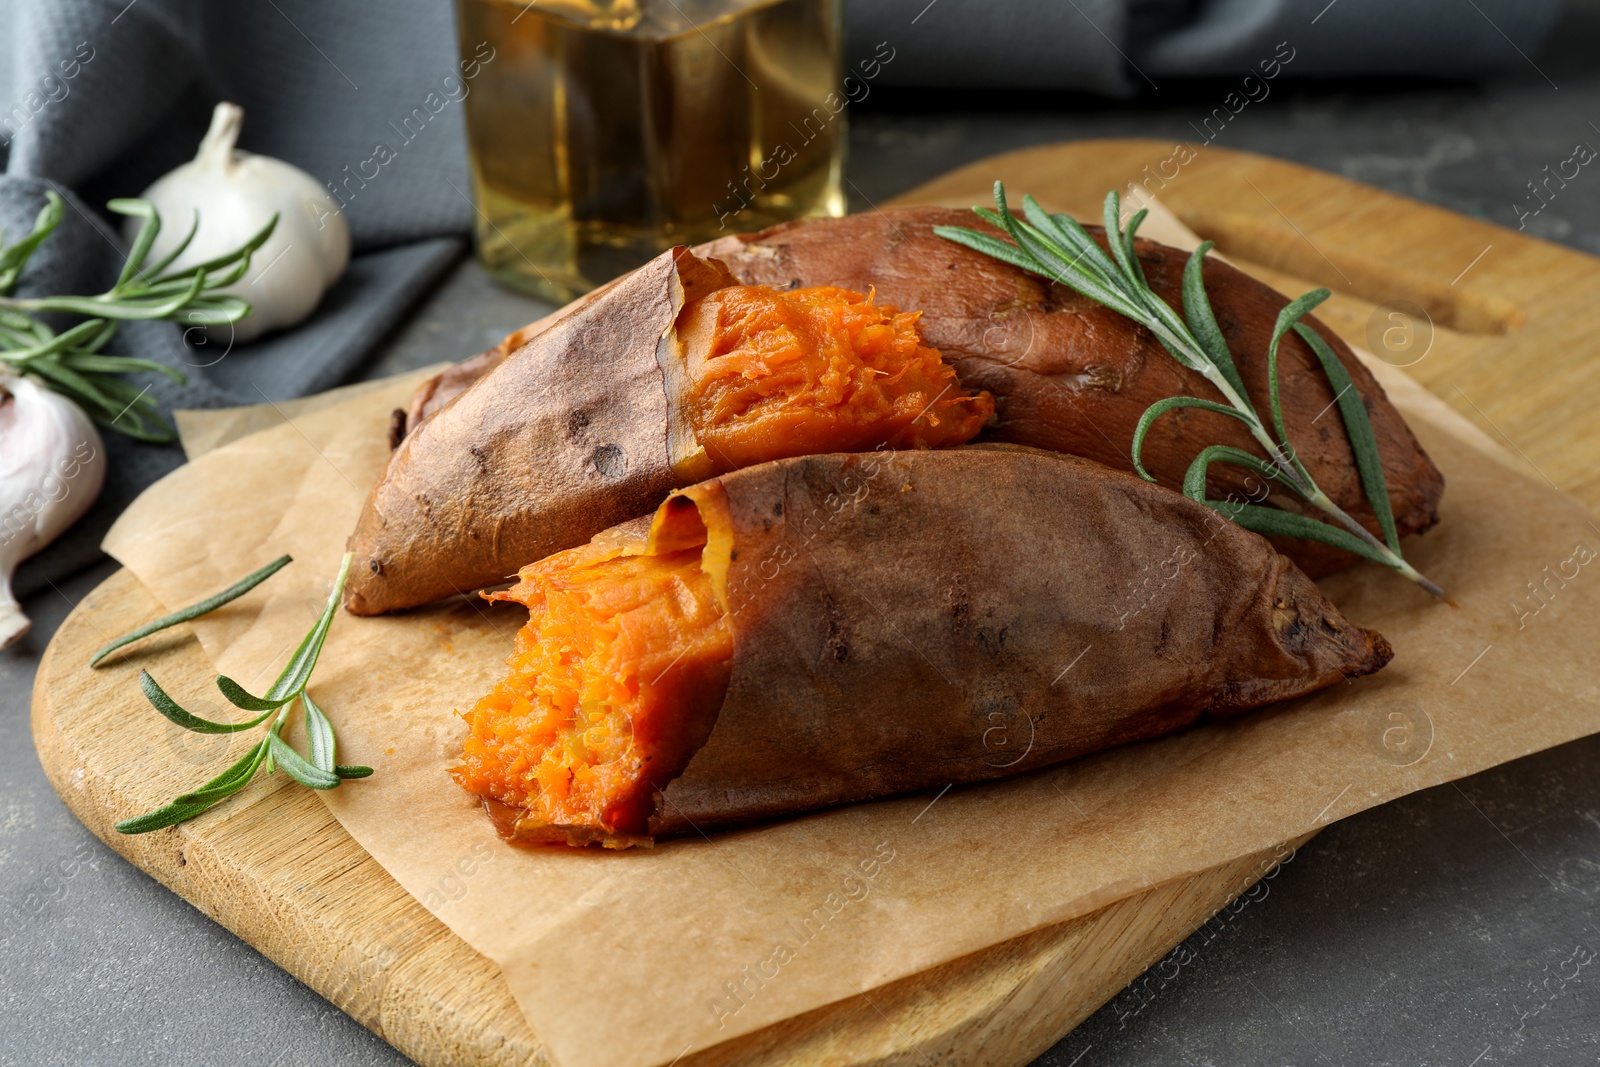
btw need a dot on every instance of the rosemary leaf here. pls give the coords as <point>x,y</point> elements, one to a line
<point>82,332</point>
<point>229,260</point>
<point>1197,310</point>
<point>992,247</point>
<point>188,805</point>
<point>162,818</point>
<point>1280,523</point>
<point>154,270</point>
<point>240,697</point>
<point>1160,408</point>
<point>1121,247</point>
<point>1358,428</point>
<point>194,611</point>
<point>93,363</point>
<point>148,229</point>
<point>295,765</point>
<point>15,257</point>
<point>213,311</point>
<point>319,735</point>
<point>1292,313</point>
<point>1135,268</point>
<point>229,781</point>
<point>143,306</point>
<point>174,712</point>
<point>297,672</point>
<point>1194,481</point>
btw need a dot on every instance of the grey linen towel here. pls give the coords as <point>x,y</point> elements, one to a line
<point>320,84</point>
<point>1117,47</point>
<point>101,97</point>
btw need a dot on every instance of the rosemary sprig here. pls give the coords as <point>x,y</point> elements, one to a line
<point>1058,248</point>
<point>320,771</point>
<point>194,611</point>
<point>72,362</point>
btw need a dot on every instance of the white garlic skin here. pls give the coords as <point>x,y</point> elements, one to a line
<point>52,466</point>
<point>236,193</point>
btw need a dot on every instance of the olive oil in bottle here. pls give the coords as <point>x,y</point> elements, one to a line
<point>604,131</point>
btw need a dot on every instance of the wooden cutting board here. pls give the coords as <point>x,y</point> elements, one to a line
<point>1495,321</point>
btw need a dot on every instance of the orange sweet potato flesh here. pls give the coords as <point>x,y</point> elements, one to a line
<point>600,706</point>
<point>778,373</point>
<point>901,621</point>
<point>672,373</point>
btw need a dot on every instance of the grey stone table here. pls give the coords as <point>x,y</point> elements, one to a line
<point>1450,928</point>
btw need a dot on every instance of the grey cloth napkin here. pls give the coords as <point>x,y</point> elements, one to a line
<point>98,98</point>
<point>1118,47</point>
<point>320,83</point>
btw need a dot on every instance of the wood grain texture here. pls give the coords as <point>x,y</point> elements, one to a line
<point>274,866</point>
<point>1508,350</point>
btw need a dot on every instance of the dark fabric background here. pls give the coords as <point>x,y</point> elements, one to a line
<point>321,81</point>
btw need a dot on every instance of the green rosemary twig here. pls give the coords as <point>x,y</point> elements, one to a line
<point>320,771</point>
<point>72,362</point>
<point>1058,248</point>
<point>194,611</point>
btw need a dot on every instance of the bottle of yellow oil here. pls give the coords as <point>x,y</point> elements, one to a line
<point>604,131</point>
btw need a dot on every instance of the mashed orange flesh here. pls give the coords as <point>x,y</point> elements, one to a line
<point>609,687</point>
<point>776,373</point>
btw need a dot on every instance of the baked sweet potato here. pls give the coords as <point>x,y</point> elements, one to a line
<point>828,629</point>
<point>671,375</point>
<point>1072,376</point>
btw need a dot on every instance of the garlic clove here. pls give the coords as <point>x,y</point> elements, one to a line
<point>235,194</point>
<point>52,467</point>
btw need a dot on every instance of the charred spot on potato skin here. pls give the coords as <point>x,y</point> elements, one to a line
<point>993,640</point>
<point>375,566</point>
<point>836,646</point>
<point>960,605</point>
<point>777,508</point>
<point>577,422</point>
<point>610,461</point>
<point>483,462</point>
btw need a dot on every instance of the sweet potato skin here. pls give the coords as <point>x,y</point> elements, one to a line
<point>541,451</point>
<point>1072,376</point>
<point>904,621</point>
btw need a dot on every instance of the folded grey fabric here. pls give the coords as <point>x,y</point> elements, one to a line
<point>1117,47</point>
<point>320,84</point>
<point>323,82</point>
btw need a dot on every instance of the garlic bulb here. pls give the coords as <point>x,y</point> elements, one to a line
<point>236,193</point>
<point>52,465</point>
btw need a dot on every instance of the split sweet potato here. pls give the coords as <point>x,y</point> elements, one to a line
<point>828,629</point>
<point>672,374</point>
<point>1072,376</point>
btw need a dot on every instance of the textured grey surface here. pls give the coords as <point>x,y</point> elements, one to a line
<point>1447,928</point>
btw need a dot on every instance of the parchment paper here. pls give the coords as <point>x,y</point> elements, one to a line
<point>637,958</point>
